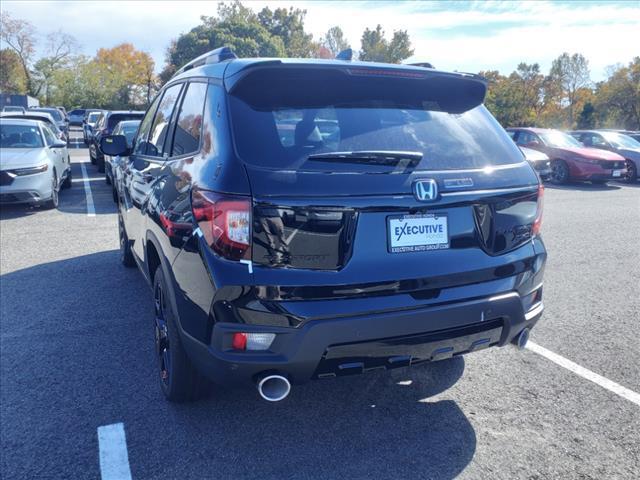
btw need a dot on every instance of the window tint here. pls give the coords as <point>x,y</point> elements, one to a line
<point>93,117</point>
<point>121,117</point>
<point>145,126</point>
<point>525,137</point>
<point>54,112</point>
<point>160,127</point>
<point>48,135</point>
<point>286,137</point>
<point>128,129</point>
<point>186,138</point>
<point>594,140</point>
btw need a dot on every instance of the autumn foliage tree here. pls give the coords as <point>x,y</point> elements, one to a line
<point>12,76</point>
<point>126,74</point>
<point>19,36</point>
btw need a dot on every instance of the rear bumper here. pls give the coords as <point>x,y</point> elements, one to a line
<point>342,346</point>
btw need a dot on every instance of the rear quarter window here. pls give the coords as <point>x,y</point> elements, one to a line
<point>189,125</point>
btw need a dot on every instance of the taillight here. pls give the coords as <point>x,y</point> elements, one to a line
<point>225,222</point>
<point>537,224</point>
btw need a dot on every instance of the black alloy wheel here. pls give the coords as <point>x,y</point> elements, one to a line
<point>559,171</point>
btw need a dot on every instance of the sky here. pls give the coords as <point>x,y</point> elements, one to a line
<point>452,35</point>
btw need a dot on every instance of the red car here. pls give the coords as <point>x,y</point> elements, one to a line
<point>570,160</point>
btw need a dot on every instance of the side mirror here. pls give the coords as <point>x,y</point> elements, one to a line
<point>58,144</point>
<point>114,145</point>
<point>533,143</point>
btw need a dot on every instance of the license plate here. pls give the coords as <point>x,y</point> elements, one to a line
<point>617,173</point>
<point>417,233</point>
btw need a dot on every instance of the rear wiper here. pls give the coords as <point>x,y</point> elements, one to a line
<point>372,157</point>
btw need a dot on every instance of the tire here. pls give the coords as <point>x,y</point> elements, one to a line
<point>114,194</point>
<point>91,157</point>
<point>126,255</point>
<point>67,181</point>
<point>100,163</point>
<point>179,379</point>
<point>54,201</point>
<point>559,172</point>
<point>632,172</point>
<point>107,178</point>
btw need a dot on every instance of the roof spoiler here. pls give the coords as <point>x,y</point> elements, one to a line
<point>214,56</point>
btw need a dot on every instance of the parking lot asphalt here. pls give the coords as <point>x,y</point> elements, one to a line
<point>77,354</point>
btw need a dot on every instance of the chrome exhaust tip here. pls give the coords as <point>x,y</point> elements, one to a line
<point>522,339</point>
<point>274,388</point>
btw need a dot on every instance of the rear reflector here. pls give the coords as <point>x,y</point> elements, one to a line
<point>537,224</point>
<point>225,221</point>
<point>239,341</point>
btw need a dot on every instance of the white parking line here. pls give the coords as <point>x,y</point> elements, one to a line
<point>114,459</point>
<point>91,209</point>
<point>585,373</point>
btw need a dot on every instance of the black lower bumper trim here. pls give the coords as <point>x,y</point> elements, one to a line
<point>352,358</point>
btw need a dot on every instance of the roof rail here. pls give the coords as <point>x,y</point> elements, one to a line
<point>214,56</point>
<point>346,54</point>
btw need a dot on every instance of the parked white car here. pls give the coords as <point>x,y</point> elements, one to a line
<point>34,164</point>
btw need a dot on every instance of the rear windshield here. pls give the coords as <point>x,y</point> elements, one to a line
<point>119,117</point>
<point>129,131</point>
<point>20,136</point>
<point>93,117</point>
<point>54,112</point>
<point>621,141</point>
<point>283,115</point>
<point>76,112</point>
<point>284,138</point>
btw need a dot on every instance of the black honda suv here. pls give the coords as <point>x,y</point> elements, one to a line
<point>307,219</point>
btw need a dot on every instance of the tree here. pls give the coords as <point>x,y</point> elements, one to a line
<point>289,26</point>
<point>376,48</point>
<point>12,78</point>
<point>334,41</point>
<point>235,26</point>
<point>60,47</point>
<point>618,98</point>
<point>125,74</point>
<point>19,35</point>
<point>587,118</point>
<point>519,99</point>
<point>570,73</point>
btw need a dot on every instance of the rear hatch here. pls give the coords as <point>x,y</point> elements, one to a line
<point>366,178</point>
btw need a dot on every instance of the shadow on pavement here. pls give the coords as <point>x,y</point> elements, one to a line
<point>11,211</point>
<point>77,353</point>
<point>72,200</point>
<point>583,186</point>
